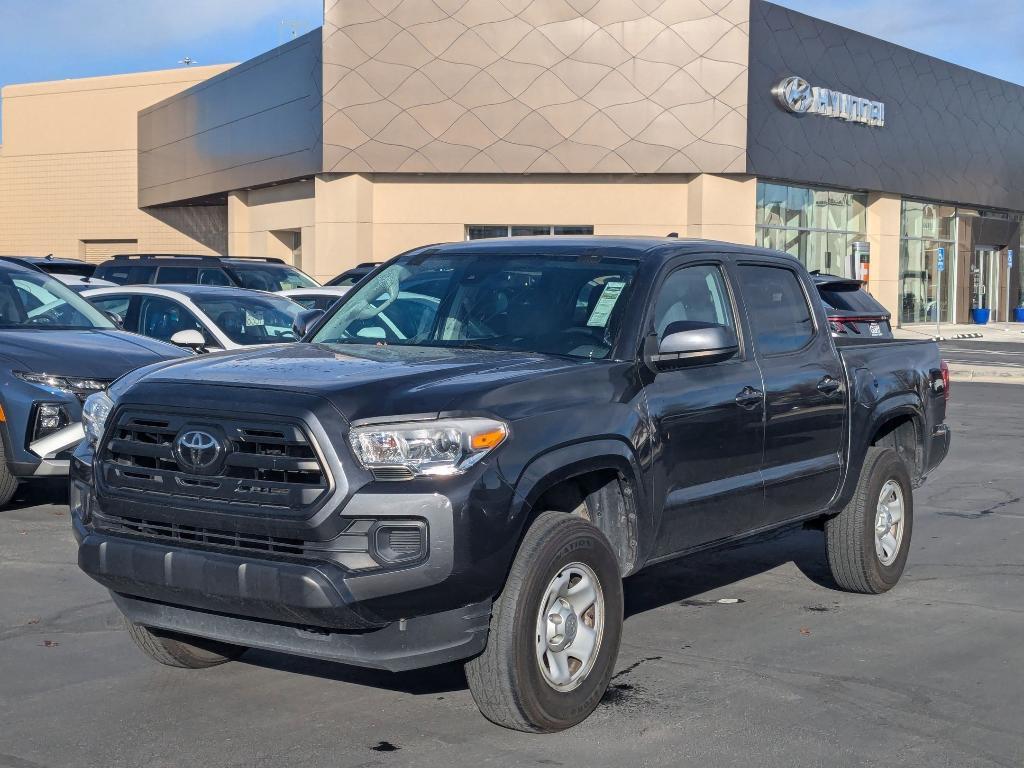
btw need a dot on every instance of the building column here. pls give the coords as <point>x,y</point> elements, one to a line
<point>883,232</point>
<point>344,225</point>
<point>238,224</point>
<point>722,208</point>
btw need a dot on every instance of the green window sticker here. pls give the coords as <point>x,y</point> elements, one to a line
<point>605,304</point>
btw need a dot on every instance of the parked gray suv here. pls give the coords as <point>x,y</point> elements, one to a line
<point>55,350</point>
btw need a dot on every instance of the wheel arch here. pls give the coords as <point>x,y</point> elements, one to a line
<point>596,479</point>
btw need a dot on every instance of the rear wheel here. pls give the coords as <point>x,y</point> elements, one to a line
<point>555,629</point>
<point>8,482</point>
<point>868,541</point>
<point>175,650</point>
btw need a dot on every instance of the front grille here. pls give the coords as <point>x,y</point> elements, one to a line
<point>267,465</point>
<point>189,535</point>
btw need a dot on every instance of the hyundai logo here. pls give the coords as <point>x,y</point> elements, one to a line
<point>794,93</point>
<point>797,95</point>
<point>197,451</point>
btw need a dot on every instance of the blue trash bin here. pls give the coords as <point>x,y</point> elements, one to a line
<point>980,316</point>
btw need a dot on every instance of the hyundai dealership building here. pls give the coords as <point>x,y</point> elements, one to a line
<point>399,124</point>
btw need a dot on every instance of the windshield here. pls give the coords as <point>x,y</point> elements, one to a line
<point>271,277</point>
<point>252,319</point>
<point>553,304</point>
<point>35,300</point>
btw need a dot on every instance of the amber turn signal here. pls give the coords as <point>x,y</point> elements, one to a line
<point>487,440</point>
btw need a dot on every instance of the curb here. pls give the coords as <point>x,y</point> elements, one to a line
<point>986,374</point>
<point>954,337</point>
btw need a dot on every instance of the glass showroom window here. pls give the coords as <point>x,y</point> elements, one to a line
<point>482,231</point>
<point>925,228</point>
<point>818,226</point>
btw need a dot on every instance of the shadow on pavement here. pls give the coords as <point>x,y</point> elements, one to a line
<point>653,588</point>
<point>33,493</point>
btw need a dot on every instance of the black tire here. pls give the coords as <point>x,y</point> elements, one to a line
<point>850,535</point>
<point>506,679</point>
<point>8,482</point>
<point>175,650</point>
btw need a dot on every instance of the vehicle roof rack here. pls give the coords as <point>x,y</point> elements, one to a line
<point>195,256</point>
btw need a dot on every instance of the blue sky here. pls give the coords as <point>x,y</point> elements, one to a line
<point>56,39</point>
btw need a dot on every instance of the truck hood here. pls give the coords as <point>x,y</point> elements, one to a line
<point>97,354</point>
<point>369,382</point>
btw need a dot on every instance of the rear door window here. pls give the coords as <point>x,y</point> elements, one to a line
<point>127,274</point>
<point>779,313</point>
<point>177,275</point>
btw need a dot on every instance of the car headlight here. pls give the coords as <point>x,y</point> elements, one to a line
<point>94,416</point>
<point>72,384</point>
<point>439,447</point>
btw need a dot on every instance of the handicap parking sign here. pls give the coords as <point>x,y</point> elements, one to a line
<point>941,265</point>
<point>1009,259</point>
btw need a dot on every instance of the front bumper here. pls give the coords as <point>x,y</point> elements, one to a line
<point>424,641</point>
<point>313,608</point>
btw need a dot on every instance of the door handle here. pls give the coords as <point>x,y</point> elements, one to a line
<point>749,398</point>
<point>829,385</point>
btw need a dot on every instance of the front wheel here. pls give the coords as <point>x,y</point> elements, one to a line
<point>175,650</point>
<point>868,541</point>
<point>8,482</point>
<point>555,629</point>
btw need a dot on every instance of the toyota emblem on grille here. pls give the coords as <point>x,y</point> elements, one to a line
<point>197,451</point>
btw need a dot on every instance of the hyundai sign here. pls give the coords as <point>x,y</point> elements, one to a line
<point>797,95</point>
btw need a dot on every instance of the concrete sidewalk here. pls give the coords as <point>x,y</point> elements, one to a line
<point>1003,332</point>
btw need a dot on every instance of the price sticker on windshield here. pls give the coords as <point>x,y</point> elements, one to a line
<point>605,304</point>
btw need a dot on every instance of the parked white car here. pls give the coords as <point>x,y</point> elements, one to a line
<point>201,316</point>
<point>316,298</point>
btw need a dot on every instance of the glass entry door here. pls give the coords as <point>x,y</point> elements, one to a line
<point>985,280</point>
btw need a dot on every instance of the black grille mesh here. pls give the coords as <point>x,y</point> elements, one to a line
<point>268,465</point>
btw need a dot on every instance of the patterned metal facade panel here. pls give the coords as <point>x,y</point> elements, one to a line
<point>950,133</point>
<point>535,86</point>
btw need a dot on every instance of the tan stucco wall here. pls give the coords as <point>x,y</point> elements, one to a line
<point>68,167</point>
<point>255,216</point>
<point>350,218</point>
<point>492,86</point>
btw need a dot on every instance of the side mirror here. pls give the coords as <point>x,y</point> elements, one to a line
<point>306,320</point>
<point>113,317</point>
<point>687,343</point>
<point>191,339</point>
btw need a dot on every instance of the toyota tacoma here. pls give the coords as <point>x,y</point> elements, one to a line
<point>473,448</point>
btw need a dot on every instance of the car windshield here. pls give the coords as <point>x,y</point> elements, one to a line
<point>553,304</point>
<point>35,300</point>
<point>251,319</point>
<point>271,277</point>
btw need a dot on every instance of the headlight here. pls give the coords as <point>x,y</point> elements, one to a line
<point>94,416</point>
<point>72,384</point>
<point>441,447</point>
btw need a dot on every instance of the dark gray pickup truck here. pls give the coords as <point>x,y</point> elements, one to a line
<point>479,441</point>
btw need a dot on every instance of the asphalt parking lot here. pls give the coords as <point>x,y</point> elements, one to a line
<point>788,671</point>
<point>985,353</point>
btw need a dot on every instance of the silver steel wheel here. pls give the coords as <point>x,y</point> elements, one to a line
<point>889,522</point>
<point>570,626</point>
